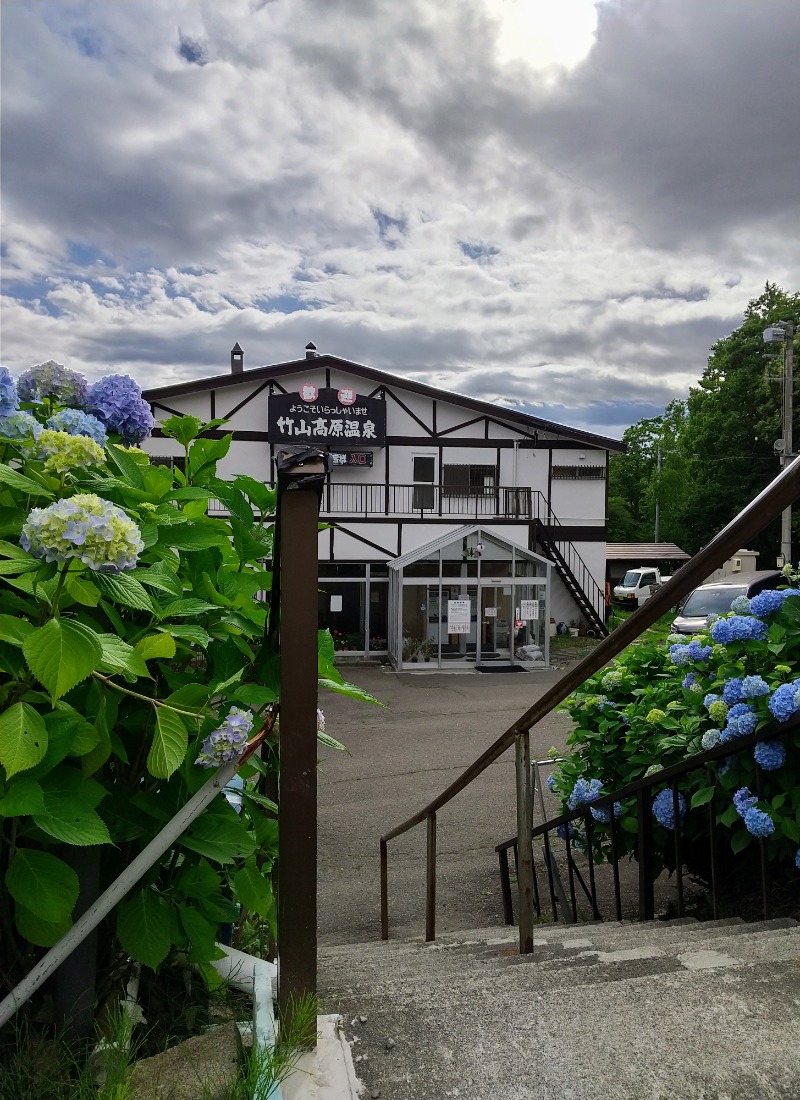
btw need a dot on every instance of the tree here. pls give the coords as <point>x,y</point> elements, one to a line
<point>649,474</point>
<point>733,418</point>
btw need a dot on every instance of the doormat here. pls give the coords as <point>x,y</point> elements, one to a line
<point>500,668</point>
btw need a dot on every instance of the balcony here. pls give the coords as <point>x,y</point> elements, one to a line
<point>427,500</point>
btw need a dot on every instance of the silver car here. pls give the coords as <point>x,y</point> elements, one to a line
<point>716,597</point>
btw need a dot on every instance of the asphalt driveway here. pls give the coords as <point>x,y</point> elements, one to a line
<point>401,756</point>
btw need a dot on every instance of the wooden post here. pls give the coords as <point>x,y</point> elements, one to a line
<point>522,746</point>
<point>299,479</point>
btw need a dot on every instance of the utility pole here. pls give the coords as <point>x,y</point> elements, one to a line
<point>783,332</point>
<point>658,489</point>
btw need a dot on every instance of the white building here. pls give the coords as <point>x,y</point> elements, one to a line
<point>459,530</point>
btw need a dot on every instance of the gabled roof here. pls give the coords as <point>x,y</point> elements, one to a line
<point>456,536</point>
<point>278,370</point>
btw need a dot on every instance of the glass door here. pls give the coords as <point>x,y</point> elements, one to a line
<point>496,623</point>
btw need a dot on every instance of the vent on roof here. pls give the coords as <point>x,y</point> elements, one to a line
<point>237,359</point>
<point>311,351</point>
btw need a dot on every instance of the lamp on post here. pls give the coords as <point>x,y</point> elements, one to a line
<point>782,332</point>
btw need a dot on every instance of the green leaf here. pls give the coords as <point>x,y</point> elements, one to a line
<point>14,630</point>
<point>70,815</point>
<point>189,697</point>
<point>201,933</point>
<point>197,880</point>
<point>194,634</point>
<point>23,738</point>
<point>205,453</point>
<point>256,799</point>
<point>67,724</point>
<point>253,889</point>
<point>169,744</point>
<point>124,590</point>
<point>43,883</point>
<point>352,691</point>
<point>220,839</point>
<point>62,653</point>
<point>160,578</point>
<point>144,927</point>
<point>126,465</point>
<point>182,428</point>
<point>156,645</point>
<point>702,797</point>
<point>325,649</point>
<point>82,590</point>
<point>187,608</point>
<point>740,840</point>
<point>192,538</point>
<point>24,796</point>
<point>15,566</point>
<point>118,656</point>
<point>15,480</point>
<point>36,930</point>
<point>254,695</point>
<point>11,550</point>
<point>260,494</point>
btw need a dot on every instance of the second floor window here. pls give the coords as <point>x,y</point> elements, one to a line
<point>469,481</point>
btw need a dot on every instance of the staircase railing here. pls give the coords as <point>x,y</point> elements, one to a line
<point>640,789</point>
<point>780,494</point>
<point>562,551</point>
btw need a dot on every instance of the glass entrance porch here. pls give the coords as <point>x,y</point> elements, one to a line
<point>468,599</point>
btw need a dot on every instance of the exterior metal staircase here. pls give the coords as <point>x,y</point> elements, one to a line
<point>574,572</point>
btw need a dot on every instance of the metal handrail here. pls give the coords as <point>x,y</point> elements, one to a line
<point>640,787</point>
<point>778,495</point>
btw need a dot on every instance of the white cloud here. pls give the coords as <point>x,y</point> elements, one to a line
<point>537,203</point>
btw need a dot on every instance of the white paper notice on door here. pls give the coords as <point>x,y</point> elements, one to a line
<point>336,603</point>
<point>529,609</point>
<point>490,612</point>
<point>459,615</point>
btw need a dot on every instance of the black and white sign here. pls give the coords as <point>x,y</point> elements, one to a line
<point>327,416</point>
<point>459,615</point>
<point>529,609</point>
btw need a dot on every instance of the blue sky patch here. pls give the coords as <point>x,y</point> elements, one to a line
<point>479,252</point>
<point>192,51</point>
<point>389,229</point>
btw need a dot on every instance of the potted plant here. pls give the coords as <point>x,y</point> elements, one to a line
<point>411,649</point>
<point>427,648</point>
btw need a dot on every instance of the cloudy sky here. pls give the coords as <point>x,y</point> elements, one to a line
<point>554,204</point>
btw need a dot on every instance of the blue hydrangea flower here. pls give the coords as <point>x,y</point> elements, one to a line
<point>766,603</point>
<point>664,809</point>
<point>697,651</point>
<point>9,401</point>
<point>797,859</point>
<point>76,422</point>
<point>710,699</point>
<point>741,605</point>
<point>584,791</point>
<point>603,813</point>
<point>679,654</point>
<point>724,765</point>
<point>770,755</point>
<point>732,690</point>
<point>551,783</point>
<point>85,527</point>
<point>753,686</point>
<point>565,831</point>
<point>51,379</point>
<point>710,739</point>
<point>738,628</point>
<point>743,800</point>
<point>19,425</point>
<point>689,680</point>
<point>782,703</point>
<point>741,721</point>
<point>758,823</point>
<point>117,401</point>
<point>228,742</point>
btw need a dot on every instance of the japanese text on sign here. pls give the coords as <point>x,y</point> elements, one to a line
<point>529,609</point>
<point>459,615</point>
<point>326,415</point>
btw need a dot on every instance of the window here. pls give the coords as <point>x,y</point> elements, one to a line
<point>174,463</point>
<point>424,467</point>
<point>469,481</point>
<point>579,473</point>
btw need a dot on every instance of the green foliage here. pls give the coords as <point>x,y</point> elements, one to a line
<point>650,709</point>
<point>110,681</point>
<point>716,447</point>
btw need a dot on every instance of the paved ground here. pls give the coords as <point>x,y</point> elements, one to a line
<point>402,756</point>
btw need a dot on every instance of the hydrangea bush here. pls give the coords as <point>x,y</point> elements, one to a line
<point>658,705</point>
<point>131,662</point>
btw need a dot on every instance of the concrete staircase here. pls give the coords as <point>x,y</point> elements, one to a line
<point>661,1011</point>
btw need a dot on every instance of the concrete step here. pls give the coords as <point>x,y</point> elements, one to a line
<point>662,1012</point>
